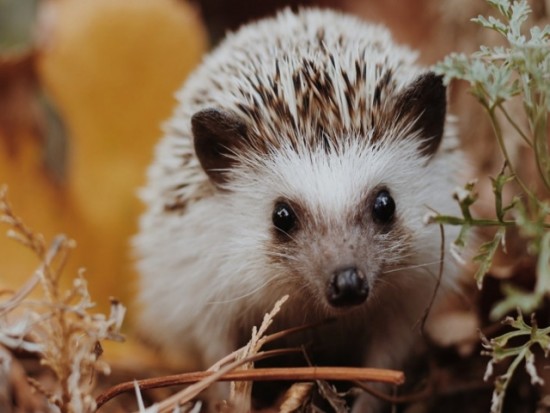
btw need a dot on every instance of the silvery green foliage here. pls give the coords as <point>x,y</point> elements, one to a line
<point>499,349</point>
<point>499,73</point>
<point>519,70</point>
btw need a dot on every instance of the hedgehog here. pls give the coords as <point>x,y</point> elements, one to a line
<point>302,159</point>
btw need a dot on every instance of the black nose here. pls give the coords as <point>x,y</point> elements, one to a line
<point>347,287</point>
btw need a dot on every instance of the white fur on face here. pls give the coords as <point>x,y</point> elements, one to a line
<point>332,183</point>
<point>332,186</point>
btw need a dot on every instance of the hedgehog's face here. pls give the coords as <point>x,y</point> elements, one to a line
<point>339,258</point>
<point>338,220</point>
<point>339,212</point>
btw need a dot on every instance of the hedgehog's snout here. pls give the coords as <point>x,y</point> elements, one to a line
<point>347,287</point>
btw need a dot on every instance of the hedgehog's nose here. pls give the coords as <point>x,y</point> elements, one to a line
<point>347,287</point>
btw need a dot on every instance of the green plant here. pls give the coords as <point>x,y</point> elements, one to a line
<point>498,75</point>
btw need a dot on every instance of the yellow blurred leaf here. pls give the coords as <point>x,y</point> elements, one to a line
<point>111,67</point>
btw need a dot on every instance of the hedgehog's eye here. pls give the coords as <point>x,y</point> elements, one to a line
<point>283,217</point>
<point>383,208</point>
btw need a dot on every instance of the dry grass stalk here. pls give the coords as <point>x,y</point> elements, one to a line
<point>59,326</point>
<point>241,391</point>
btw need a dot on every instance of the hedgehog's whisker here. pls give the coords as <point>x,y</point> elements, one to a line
<point>411,267</point>
<point>247,294</point>
<point>286,234</point>
<point>281,255</point>
<point>388,282</point>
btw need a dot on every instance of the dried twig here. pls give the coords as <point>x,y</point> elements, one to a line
<point>263,374</point>
<point>439,278</point>
<point>57,244</point>
<point>241,391</point>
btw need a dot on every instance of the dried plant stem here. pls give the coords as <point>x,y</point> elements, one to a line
<point>32,282</point>
<point>259,374</point>
<point>497,130</point>
<point>439,278</point>
<point>240,394</point>
<point>517,128</point>
<point>284,333</point>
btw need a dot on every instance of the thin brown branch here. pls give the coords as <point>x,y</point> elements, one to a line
<point>267,374</point>
<point>288,374</point>
<point>290,331</point>
<point>184,378</point>
<point>439,278</point>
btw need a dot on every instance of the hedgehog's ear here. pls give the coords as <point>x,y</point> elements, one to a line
<point>217,135</point>
<point>424,102</point>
